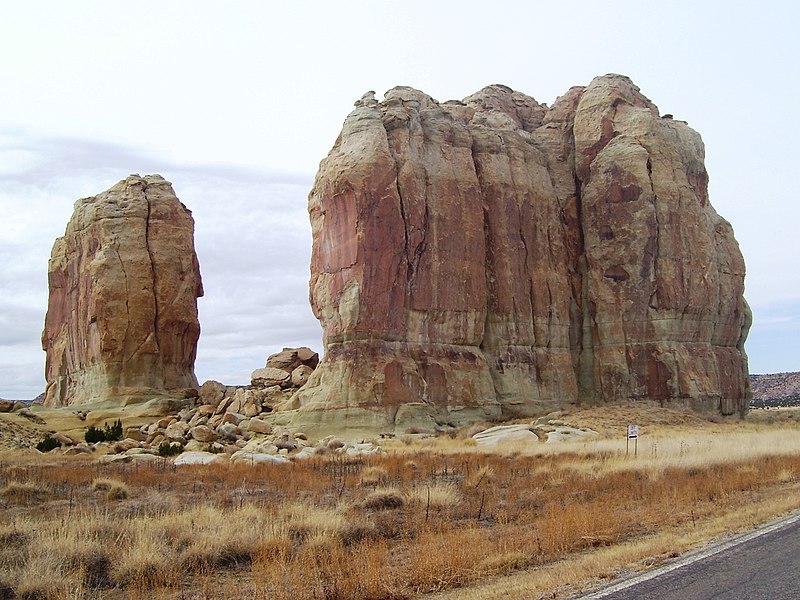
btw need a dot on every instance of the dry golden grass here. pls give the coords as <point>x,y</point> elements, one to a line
<point>374,475</point>
<point>430,517</point>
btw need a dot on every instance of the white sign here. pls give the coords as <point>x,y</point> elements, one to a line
<point>633,432</point>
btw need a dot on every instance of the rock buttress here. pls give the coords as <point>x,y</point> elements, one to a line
<point>495,257</point>
<point>123,286</point>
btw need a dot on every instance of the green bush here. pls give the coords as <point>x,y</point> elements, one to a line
<point>169,448</point>
<point>109,433</point>
<point>113,432</point>
<point>93,435</point>
<point>48,443</point>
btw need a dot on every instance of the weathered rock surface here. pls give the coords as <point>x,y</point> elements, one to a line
<point>496,257</point>
<point>124,281</point>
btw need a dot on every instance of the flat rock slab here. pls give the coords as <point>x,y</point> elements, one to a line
<point>196,458</point>
<point>503,434</point>
<point>258,458</point>
<point>565,433</point>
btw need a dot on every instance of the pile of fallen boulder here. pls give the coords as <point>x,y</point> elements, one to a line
<point>231,422</point>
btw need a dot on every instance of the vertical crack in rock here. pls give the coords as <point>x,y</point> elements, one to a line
<point>406,225</point>
<point>489,275</point>
<point>153,269</point>
<point>586,369</point>
<point>127,301</point>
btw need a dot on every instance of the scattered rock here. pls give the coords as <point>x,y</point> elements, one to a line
<point>565,433</point>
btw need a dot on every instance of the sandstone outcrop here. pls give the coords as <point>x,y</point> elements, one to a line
<point>495,257</point>
<point>124,281</point>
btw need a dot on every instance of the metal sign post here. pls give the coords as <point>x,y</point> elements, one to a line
<point>633,434</point>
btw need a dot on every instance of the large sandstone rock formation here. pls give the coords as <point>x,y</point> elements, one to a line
<point>496,257</point>
<point>124,281</point>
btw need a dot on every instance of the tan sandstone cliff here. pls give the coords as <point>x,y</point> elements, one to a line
<point>124,281</point>
<point>496,257</point>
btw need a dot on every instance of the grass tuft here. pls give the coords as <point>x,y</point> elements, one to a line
<point>384,499</point>
<point>22,492</point>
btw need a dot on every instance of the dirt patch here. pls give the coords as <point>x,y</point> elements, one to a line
<point>614,419</point>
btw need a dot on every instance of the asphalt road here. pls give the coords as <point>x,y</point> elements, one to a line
<point>760,565</point>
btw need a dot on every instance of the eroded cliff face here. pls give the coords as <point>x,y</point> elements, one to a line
<point>496,257</point>
<point>124,281</point>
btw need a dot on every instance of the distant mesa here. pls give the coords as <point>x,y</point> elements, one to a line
<point>497,258</point>
<point>776,390</point>
<point>124,280</point>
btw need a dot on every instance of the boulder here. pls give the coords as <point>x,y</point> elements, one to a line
<point>177,431</point>
<point>270,376</point>
<point>253,458</point>
<point>258,426</point>
<point>212,392</point>
<point>6,406</point>
<point>232,417</point>
<point>196,458</point>
<point>123,286</point>
<point>498,258</point>
<point>290,358</point>
<point>505,434</point>
<point>229,431</point>
<point>124,445</point>
<point>202,433</point>
<point>300,375</point>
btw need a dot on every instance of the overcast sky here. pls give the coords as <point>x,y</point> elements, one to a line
<point>236,103</point>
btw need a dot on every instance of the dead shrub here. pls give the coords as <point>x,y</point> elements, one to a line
<point>114,488</point>
<point>90,561</point>
<point>22,492</point>
<point>14,547</point>
<point>384,499</point>
<point>356,533</point>
<point>35,586</point>
<point>6,591</point>
<point>209,553</point>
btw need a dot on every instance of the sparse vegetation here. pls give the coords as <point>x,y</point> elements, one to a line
<point>48,443</point>
<point>426,516</point>
<point>109,433</point>
<point>169,448</point>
